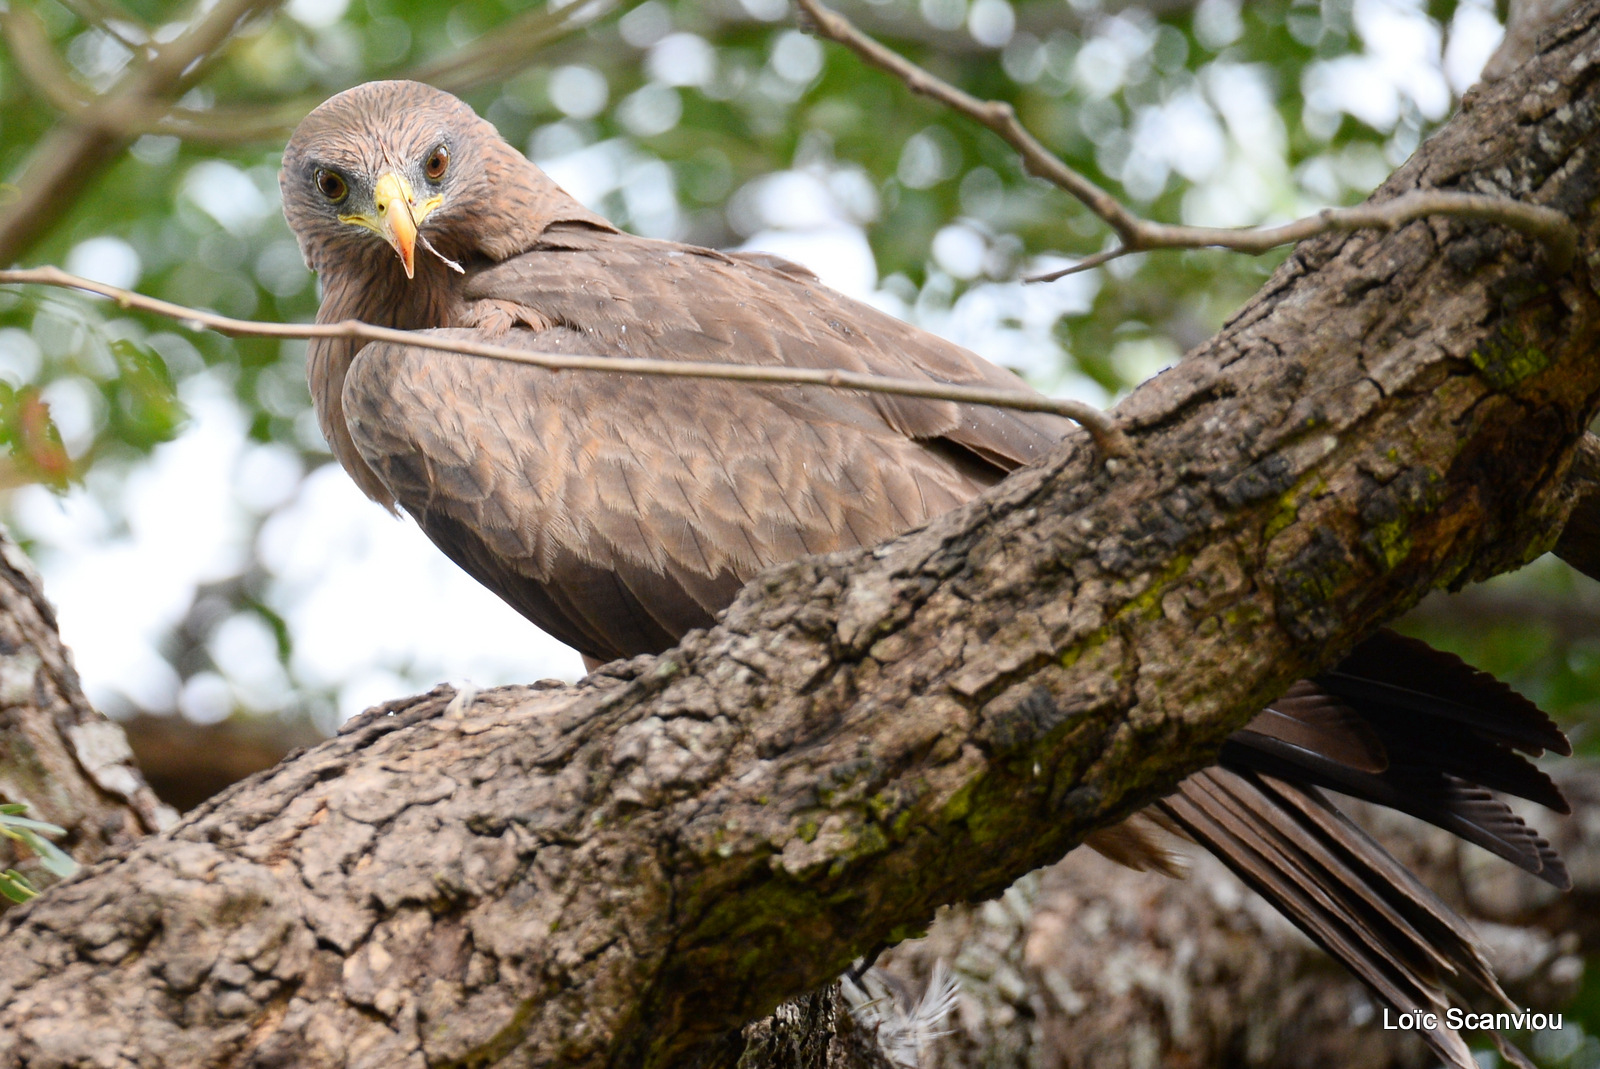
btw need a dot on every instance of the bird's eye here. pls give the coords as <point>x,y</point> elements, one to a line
<point>331,185</point>
<point>436,163</point>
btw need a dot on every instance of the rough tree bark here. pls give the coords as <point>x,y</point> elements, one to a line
<point>621,872</point>
<point>71,765</point>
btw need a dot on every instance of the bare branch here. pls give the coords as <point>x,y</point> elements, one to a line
<point>997,115</point>
<point>493,56</point>
<point>1550,227</point>
<point>81,145</point>
<point>1553,229</point>
<point>1108,438</point>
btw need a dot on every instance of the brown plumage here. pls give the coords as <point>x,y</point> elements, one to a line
<point>619,512</point>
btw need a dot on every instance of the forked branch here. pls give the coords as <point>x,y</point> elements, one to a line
<point>1550,227</point>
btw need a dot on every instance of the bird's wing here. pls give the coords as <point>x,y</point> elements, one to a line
<point>617,512</point>
<point>633,297</point>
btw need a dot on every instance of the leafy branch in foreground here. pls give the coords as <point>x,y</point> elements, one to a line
<point>31,834</point>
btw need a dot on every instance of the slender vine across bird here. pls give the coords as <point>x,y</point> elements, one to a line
<point>619,513</point>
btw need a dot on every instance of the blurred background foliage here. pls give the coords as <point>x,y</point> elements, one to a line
<point>208,560</point>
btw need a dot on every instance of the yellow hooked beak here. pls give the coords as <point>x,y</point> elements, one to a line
<point>397,216</point>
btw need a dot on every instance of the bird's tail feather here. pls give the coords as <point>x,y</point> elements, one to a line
<point>1415,729</point>
<point>1340,887</point>
<point>1403,725</point>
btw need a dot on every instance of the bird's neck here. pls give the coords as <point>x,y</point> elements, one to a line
<point>376,292</point>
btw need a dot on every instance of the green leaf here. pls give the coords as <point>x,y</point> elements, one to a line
<point>144,408</point>
<point>16,887</point>
<point>57,861</point>
<point>30,833</point>
<point>11,820</point>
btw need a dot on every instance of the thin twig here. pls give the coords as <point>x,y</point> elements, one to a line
<point>1107,436</point>
<point>109,17</point>
<point>997,115</point>
<point>496,54</point>
<point>1546,225</point>
<point>1134,234</point>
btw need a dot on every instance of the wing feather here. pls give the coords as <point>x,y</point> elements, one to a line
<point>635,517</point>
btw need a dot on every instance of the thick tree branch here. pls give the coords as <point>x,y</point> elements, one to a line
<point>1552,228</point>
<point>620,872</point>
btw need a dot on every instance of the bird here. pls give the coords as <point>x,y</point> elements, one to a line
<point>618,513</point>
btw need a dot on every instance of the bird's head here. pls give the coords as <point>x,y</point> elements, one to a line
<point>409,165</point>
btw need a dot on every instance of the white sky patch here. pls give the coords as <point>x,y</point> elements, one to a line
<point>960,250</point>
<point>1251,181</point>
<point>245,649</point>
<point>206,698</point>
<point>1474,35</point>
<point>1405,46</point>
<point>797,200</point>
<point>363,591</point>
<point>840,255</point>
<point>1112,57</point>
<point>74,404</point>
<point>991,22</point>
<point>1183,135</point>
<point>579,91</point>
<point>118,592</point>
<point>1014,325</point>
<point>20,356</point>
<point>316,14</point>
<point>1217,23</point>
<point>1189,135</point>
<point>650,110</point>
<point>226,194</point>
<point>105,259</point>
<point>593,172</point>
<point>1400,66</point>
<point>811,216</point>
<point>796,57</point>
<point>266,476</point>
<point>1241,195</point>
<point>1240,94</point>
<point>650,197</point>
<point>681,59</point>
